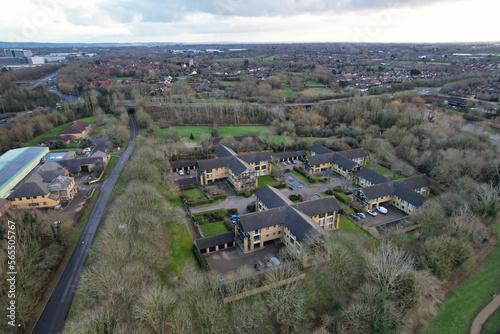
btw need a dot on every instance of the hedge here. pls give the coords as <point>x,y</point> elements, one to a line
<point>201,259</point>
<point>280,186</point>
<point>221,196</point>
<point>294,198</point>
<point>209,216</point>
<point>300,171</point>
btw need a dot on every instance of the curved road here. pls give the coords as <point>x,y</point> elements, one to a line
<point>54,315</point>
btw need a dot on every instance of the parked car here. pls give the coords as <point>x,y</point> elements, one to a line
<point>381,209</point>
<point>371,213</point>
<point>292,195</point>
<point>348,192</point>
<point>88,150</point>
<point>188,172</point>
<point>181,172</point>
<point>284,163</point>
<point>215,193</point>
<point>83,153</point>
<point>288,162</point>
<point>361,215</point>
<point>294,162</point>
<point>355,217</point>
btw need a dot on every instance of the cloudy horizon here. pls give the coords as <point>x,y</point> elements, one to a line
<point>237,21</point>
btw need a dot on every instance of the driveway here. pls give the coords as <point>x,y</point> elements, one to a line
<point>234,202</point>
<point>229,260</point>
<point>381,219</point>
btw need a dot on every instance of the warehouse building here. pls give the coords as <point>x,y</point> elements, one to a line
<point>16,164</point>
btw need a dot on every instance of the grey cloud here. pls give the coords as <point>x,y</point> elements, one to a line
<point>174,11</point>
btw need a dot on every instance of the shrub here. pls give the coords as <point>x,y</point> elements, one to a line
<point>201,259</point>
<point>221,196</point>
<point>443,254</point>
<point>251,207</point>
<point>337,189</point>
<point>231,212</point>
<point>280,186</point>
<point>209,216</point>
<point>294,198</point>
<point>229,225</point>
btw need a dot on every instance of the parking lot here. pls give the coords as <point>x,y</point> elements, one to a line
<point>229,260</point>
<point>380,219</point>
<point>289,165</point>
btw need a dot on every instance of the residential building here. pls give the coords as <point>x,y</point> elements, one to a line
<point>345,163</point>
<point>279,219</point>
<point>289,156</point>
<point>77,130</point>
<point>366,178</point>
<point>242,171</point>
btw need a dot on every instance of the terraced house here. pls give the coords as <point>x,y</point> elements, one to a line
<point>406,194</point>
<point>279,219</point>
<point>241,170</point>
<point>345,163</point>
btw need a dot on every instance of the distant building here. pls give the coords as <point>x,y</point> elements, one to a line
<point>17,53</point>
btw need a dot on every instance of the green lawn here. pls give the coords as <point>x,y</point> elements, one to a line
<point>121,78</point>
<point>179,245</point>
<point>56,131</point>
<point>315,92</point>
<point>111,164</point>
<point>303,178</point>
<point>266,180</point>
<point>66,150</point>
<point>209,229</point>
<point>492,325</point>
<point>185,131</point>
<point>228,83</point>
<point>314,84</point>
<point>193,193</point>
<point>347,225</point>
<point>467,299</point>
<point>376,168</point>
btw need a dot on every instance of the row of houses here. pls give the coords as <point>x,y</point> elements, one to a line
<point>277,219</point>
<point>406,194</point>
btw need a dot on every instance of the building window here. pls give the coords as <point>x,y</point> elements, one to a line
<point>279,232</point>
<point>34,197</point>
<point>44,203</point>
<point>263,172</point>
<point>263,162</point>
<point>256,232</point>
<point>27,198</point>
<point>321,221</point>
<point>267,228</point>
<point>267,235</point>
<point>329,220</point>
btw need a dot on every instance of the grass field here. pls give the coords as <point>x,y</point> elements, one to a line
<point>376,168</point>
<point>303,178</point>
<point>492,325</point>
<point>266,180</point>
<point>347,225</point>
<point>193,193</point>
<point>111,164</point>
<point>56,131</point>
<point>121,78</point>
<point>228,83</point>
<point>314,84</point>
<point>185,131</point>
<point>315,92</point>
<point>179,245</point>
<point>213,228</point>
<point>467,299</point>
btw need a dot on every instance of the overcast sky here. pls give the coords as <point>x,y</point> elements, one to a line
<point>209,21</point>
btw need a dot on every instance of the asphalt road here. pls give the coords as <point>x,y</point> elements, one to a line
<point>54,315</point>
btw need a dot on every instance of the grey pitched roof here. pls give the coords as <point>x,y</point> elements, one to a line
<point>257,220</point>
<point>319,159</point>
<point>379,190</point>
<point>255,157</point>
<point>213,163</point>
<point>343,162</point>
<point>272,197</point>
<point>409,195</point>
<point>214,240</point>
<point>183,164</point>
<point>318,206</point>
<point>415,182</point>
<point>372,176</point>
<point>354,154</point>
<point>290,155</point>
<point>29,189</point>
<point>223,151</point>
<point>99,154</point>
<point>238,166</point>
<point>320,149</point>
<point>300,225</point>
<point>75,165</point>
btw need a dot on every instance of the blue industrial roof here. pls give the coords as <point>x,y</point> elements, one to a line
<point>15,161</point>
